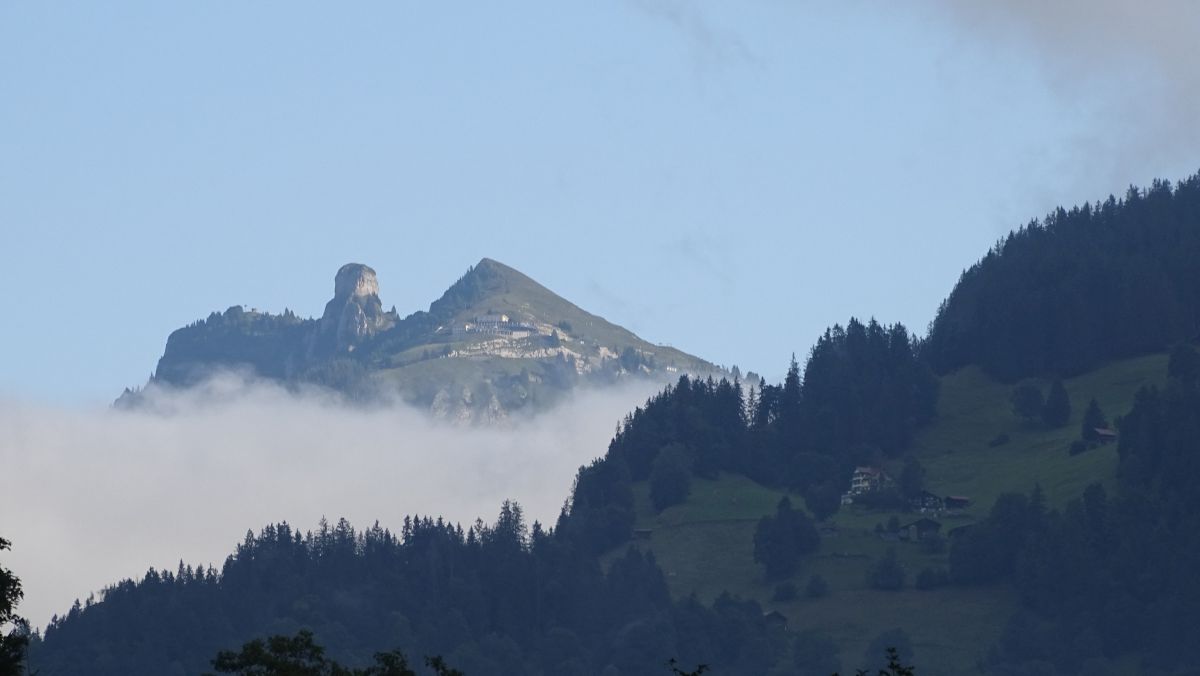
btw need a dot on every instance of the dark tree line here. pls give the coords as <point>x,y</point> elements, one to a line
<point>861,396</point>
<point>301,655</point>
<point>1110,575</point>
<point>492,599</point>
<point>1094,283</point>
<point>502,598</point>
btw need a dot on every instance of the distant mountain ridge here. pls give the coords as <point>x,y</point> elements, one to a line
<point>495,342</point>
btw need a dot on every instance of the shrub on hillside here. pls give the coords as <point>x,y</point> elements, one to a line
<point>1027,401</point>
<point>887,574</point>
<point>670,477</point>
<point>823,500</point>
<point>780,540</point>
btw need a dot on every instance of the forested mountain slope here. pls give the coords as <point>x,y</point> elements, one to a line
<point>705,544</point>
<point>986,534</point>
<point>1097,282</point>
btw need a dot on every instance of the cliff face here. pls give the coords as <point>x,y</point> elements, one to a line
<point>494,343</point>
<point>354,314</point>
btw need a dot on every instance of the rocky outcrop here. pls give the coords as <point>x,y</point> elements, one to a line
<point>354,315</point>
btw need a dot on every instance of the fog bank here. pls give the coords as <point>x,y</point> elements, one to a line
<point>93,496</point>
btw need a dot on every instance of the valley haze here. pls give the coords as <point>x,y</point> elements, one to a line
<point>105,493</point>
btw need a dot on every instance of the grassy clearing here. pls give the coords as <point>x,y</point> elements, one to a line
<point>706,545</point>
<point>974,409</point>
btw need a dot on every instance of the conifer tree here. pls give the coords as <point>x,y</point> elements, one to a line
<point>670,477</point>
<point>1057,411</point>
<point>780,540</point>
<point>1093,419</point>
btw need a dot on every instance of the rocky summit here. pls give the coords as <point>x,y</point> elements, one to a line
<point>495,343</point>
<point>353,315</point>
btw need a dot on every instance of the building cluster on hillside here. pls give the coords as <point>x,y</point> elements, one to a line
<point>930,503</point>
<point>870,479</point>
<point>866,480</point>
<point>494,324</point>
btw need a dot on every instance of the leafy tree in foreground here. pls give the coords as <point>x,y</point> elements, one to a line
<point>12,645</point>
<point>895,665</point>
<point>815,654</point>
<point>300,655</point>
<point>674,665</point>
<point>1057,411</point>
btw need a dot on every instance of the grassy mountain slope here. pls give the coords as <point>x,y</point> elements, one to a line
<point>460,374</point>
<point>705,546</point>
<point>974,409</point>
<point>491,287</point>
<point>445,359</point>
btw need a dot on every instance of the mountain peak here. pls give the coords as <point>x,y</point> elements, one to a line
<point>354,314</point>
<point>487,280</point>
<point>496,341</point>
<point>355,279</point>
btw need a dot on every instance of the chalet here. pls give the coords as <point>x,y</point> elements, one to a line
<point>1105,434</point>
<point>865,480</point>
<point>956,502</point>
<point>921,529</point>
<point>928,502</point>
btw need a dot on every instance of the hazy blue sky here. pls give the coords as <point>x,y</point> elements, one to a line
<point>726,177</point>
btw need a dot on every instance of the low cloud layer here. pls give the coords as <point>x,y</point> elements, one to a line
<point>92,496</point>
